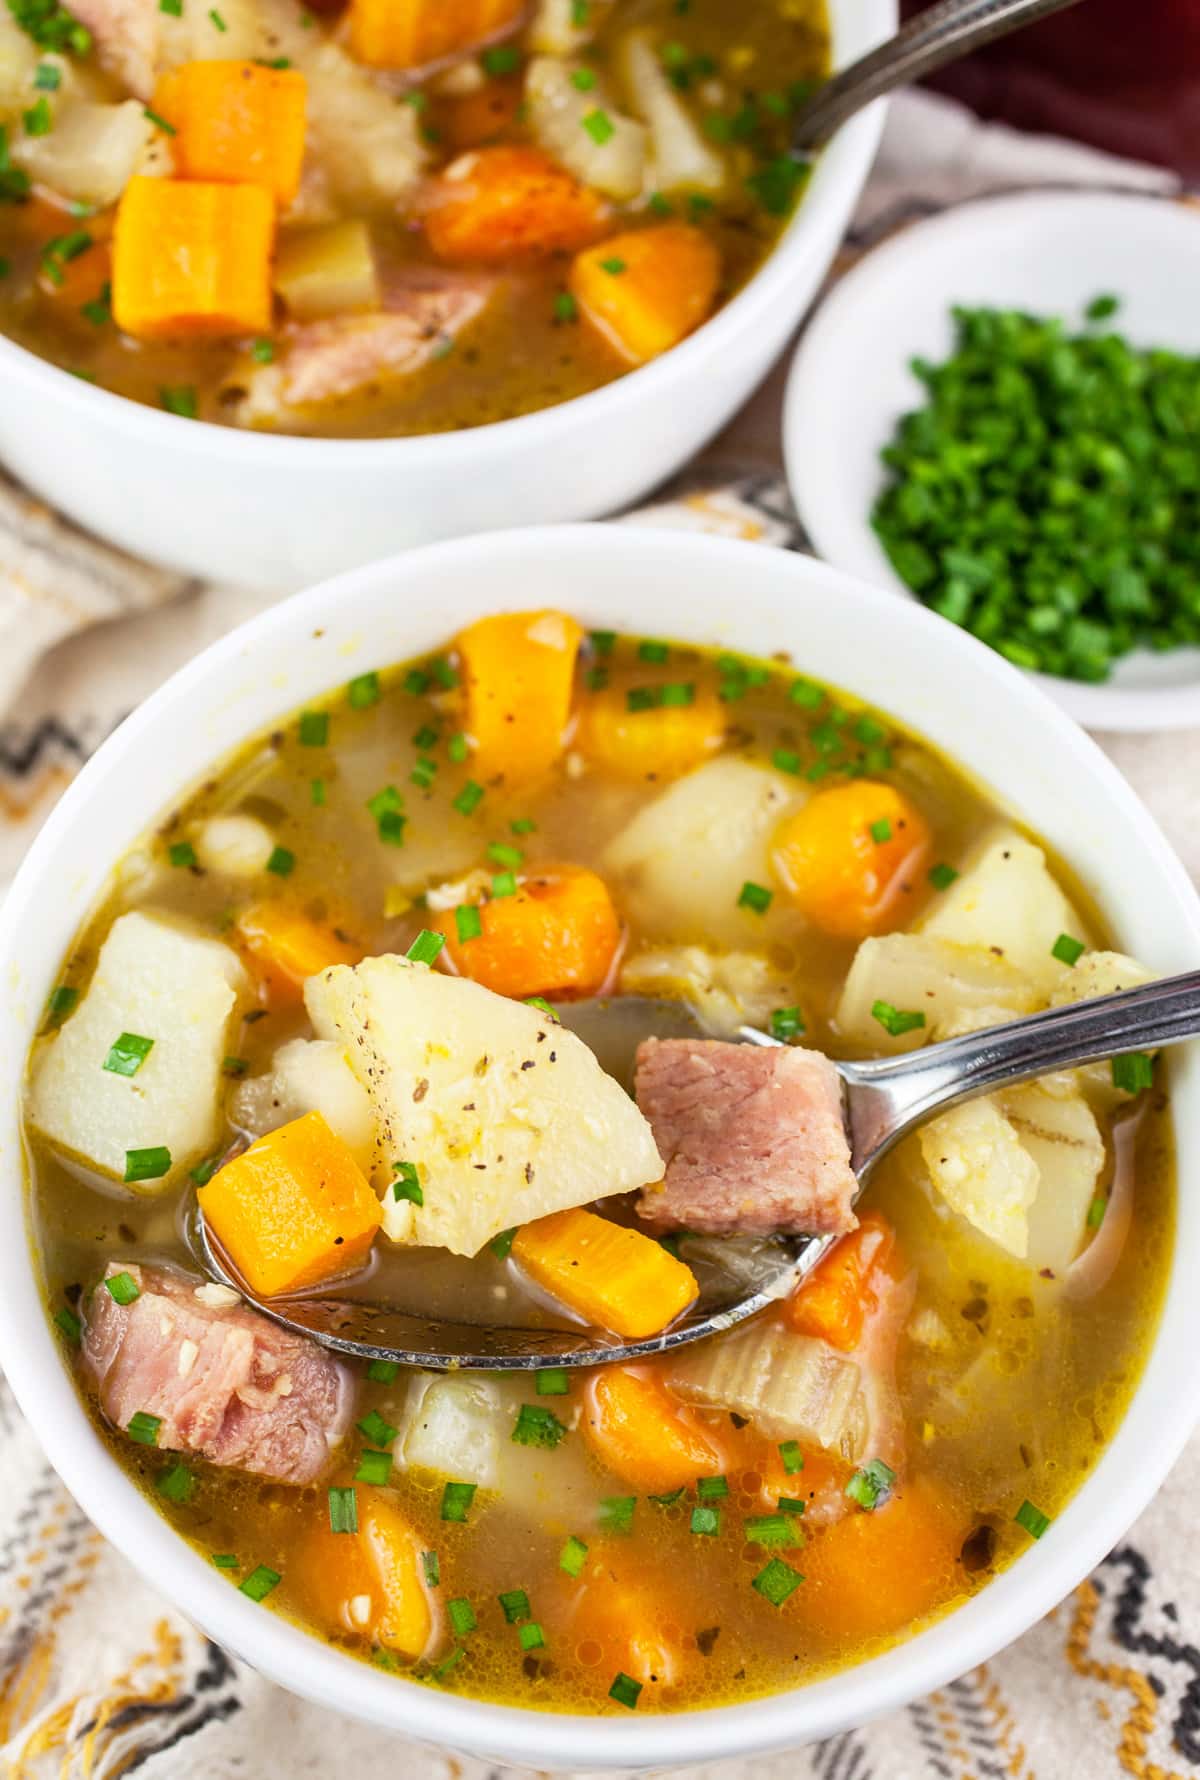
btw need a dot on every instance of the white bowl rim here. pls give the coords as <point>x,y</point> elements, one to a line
<point>1097,1516</point>
<point>841,167</point>
<point>870,284</point>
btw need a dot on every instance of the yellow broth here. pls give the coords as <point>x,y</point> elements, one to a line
<point>1013,1404</point>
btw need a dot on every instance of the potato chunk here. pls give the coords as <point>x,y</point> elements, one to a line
<point>505,1116</point>
<point>979,1165</point>
<point>155,981</point>
<point>1008,900</point>
<point>916,973</point>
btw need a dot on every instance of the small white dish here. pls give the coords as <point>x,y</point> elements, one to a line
<point>1049,253</point>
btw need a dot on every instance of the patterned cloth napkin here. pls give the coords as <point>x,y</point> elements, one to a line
<point>99,1676</point>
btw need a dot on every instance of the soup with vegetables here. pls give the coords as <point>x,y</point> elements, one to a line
<point>375,217</point>
<point>320,999</point>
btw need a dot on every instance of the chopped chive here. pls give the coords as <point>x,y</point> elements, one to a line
<point>1100,308</point>
<point>236,1067</point>
<point>871,1484</point>
<point>531,1636</point>
<point>383,1371</point>
<point>426,946</point>
<point>792,1456</point>
<point>711,1489</point>
<point>881,831</point>
<point>583,79</point>
<point>537,1426</point>
<point>260,1582</point>
<point>364,690</point>
<point>706,1521</point>
<point>543,1007</point>
<point>69,1324</point>
<point>127,1053</point>
<point>653,651</point>
<point>144,1428</point>
<point>203,1172</point>
<point>1133,1072</point>
<point>456,1500</point>
<point>942,876</point>
<point>786,1023</point>
<point>168,129</point>
<point>177,1484</point>
<point>895,1022</point>
<point>469,798</point>
<point>601,129</point>
<point>790,1505</point>
<point>868,731</point>
<point>596,679</point>
<point>625,1690</point>
<point>777,1582</point>
<point>468,922</point>
<point>462,1616</point>
<point>580,12</point>
<point>218,22</point>
<point>660,204</point>
<point>123,1288</point>
<point>642,698</point>
<point>424,772</point>
<point>616,1513</point>
<point>282,862</point>
<point>670,1499</point>
<point>374,1467</point>
<point>603,641</point>
<point>1067,950</point>
<point>805,694</point>
<point>316,790</point>
<point>500,853</point>
<point>443,673</point>
<point>48,78</point>
<point>431,1568</point>
<point>173,8</point>
<point>457,748</point>
<point>225,1560</point>
<point>59,1004</point>
<point>416,682</point>
<point>425,738</point>
<point>501,1246</point>
<point>523,825</point>
<point>443,1668</point>
<point>314,729</point>
<point>99,309</point>
<point>514,1604</point>
<point>573,1556</point>
<point>786,760</point>
<point>553,1381</point>
<point>769,1529</point>
<point>378,1431</point>
<point>504,884</point>
<point>407,1184</point>
<point>181,399</point>
<point>182,853</point>
<point>754,896</point>
<point>385,802</point>
<point>38,120</point>
<point>147,1164</point>
<point>502,58</point>
<point>1032,1519</point>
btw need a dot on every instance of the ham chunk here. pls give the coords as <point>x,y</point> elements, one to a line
<point>127,39</point>
<point>753,1139</point>
<point>226,1383</point>
<point>320,362</point>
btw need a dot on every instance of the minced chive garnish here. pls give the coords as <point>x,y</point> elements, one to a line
<point>424,772</point>
<point>706,1520</point>
<point>176,1484</point>
<point>500,853</point>
<point>48,78</point>
<point>553,1381</point>
<point>777,1582</point>
<point>431,1568</point>
<point>218,22</point>
<point>792,1456</point>
<point>468,922</point>
<point>894,1021</point>
<point>383,1371</point>
<point>523,825</point>
<point>769,1529</point>
<point>364,690</point>
<point>1100,308</point>
<point>531,1636</point>
<point>260,1582</point>
<point>756,897</point>
<point>38,120</point>
<point>642,698</point>
<point>426,946</point>
<point>580,13</point>
<point>805,694</point>
<point>625,1690</point>
<point>317,792</point>
<point>407,1184</point>
<point>144,1428</point>
<point>601,129</point>
<point>942,876</point>
<point>378,1431</point>
<point>881,831</point>
<point>425,738</point>
<point>660,204</point>
<point>98,310</point>
<point>779,183</point>
<point>462,1616</point>
<point>314,729</point>
<point>390,828</point>
<point>441,1669</point>
<point>456,1500</point>
<point>69,1324</point>
<point>596,678</point>
<point>616,1513</point>
<point>203,1172</point>
<point>543,1007</point>
<point>603,641</point>
<point>127,1053</point>
<point>652,650</point>
<point>670,1499</point>
<point>871,1484</point>
<point>236,1067</point>
<point>868,731</point>
<point>786,1023</point>
<point>677,693</point>
<point>573,1556</point>
<point>173,8</point>
<point>225,1560</point>
<point>1133,1072</point>
<point>711,1489</point>
<point>457,748</point>
<point>537,1426</point>
<point>1032,1519</point>
<point>282,862</point>
<point>786,760</point>
<point>469,798</point>
<point>501,1246</point>
<point>504,884</point>
<point>416,682</point>
<point>1096,1211</point>
<point>1067,950</point>
<point>502,58</point>
<point>514,1604</point>
<point>59,1004</point>
<point>374,1467</point>
<point>790,1505</point>
<point>123,1288</point>
<point>180,400</point>
<point>181,853</point>
<point>583,79</point>
<point>147,1164</point>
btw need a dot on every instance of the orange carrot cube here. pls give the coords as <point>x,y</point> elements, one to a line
<point>237,121</point>
<point>646,289</point>
<point>412,33</point>
<point>192,260</point>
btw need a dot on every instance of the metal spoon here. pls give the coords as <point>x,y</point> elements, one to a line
<point>884,1100</point>
<point>934,37</point>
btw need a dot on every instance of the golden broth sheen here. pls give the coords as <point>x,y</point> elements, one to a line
<point>523,353</point>
<point>1016,1404</point>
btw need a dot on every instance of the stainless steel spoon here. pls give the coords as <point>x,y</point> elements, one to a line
<point>934,37</point>
<point>884,1100</point>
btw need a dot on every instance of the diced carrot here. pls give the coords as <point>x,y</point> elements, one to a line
<point>647,289</point>
<point>625,1614</point>
<point>367,1583</point>
<point>614,1277</point>
<point>498,204</point>
<point>852,857</point>
<point>833,1302</point>
<point>643,1434</point>
<point>558,935</point>
<point>872,1574</point>
<point>650,740</point>
<point>192,260</point>
<point>284,947</point>
<point>292,1210</point>
<point>479,117</point>
<point>411,33</point>
<point>519,671</point>
<point>236,121</point>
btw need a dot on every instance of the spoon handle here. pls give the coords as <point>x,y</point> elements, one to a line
<point>888,1097</point>
<point>938,35</point>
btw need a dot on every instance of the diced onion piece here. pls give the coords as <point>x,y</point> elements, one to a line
<point>328,271</point>
<point>91,153</point>
<point>1007,900</point>
<point>238,846</point>
<point>790,1386</point>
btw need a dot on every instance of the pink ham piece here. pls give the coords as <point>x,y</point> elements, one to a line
<point>752,1137</point>
<point>226,1383</point>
